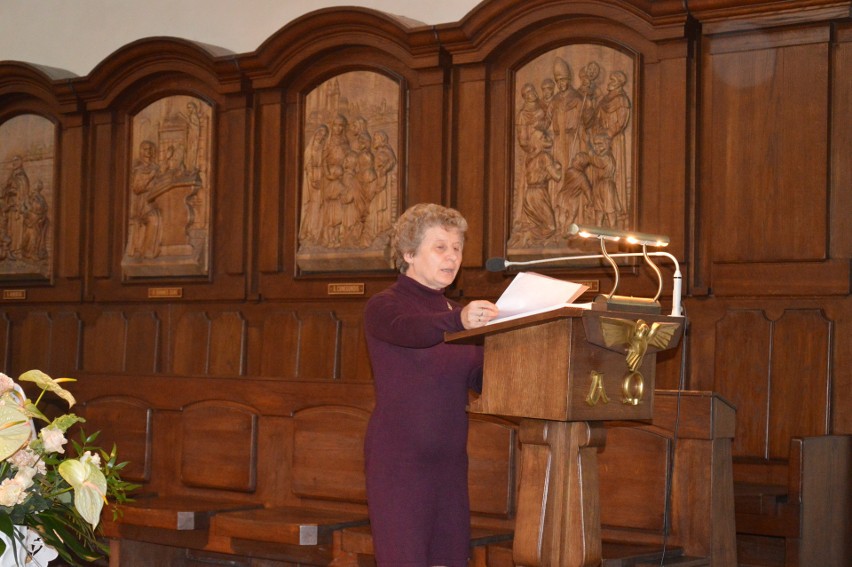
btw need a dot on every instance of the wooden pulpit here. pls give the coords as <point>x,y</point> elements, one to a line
<point>564,372</point>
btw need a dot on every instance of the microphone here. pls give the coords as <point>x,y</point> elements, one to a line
<point>500,264</point>
<point>495,264</point>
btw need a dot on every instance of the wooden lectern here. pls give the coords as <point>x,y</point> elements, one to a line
<point>563,372</point>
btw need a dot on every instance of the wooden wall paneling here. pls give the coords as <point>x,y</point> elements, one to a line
<point>144,339</point>
<point>50,341</point>
<point>840,206</point>
<point>770,191</point>
<point>227,344</point>
<point>319,346</point>
<point>279,345</point>
<point>5,334</point>
<point>105,342</point>
<point>40,91</point>
<point>191,343</point>
<point>290,65</point>
<point>122,86</point>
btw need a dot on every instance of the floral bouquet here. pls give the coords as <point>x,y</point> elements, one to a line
<point>46,494</point>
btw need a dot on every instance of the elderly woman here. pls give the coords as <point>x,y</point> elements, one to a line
<point>416,458</point>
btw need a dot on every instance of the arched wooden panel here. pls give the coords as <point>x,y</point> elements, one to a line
<point>134,436</point>
<point>742,362</point>
<point>800,386</point>
<point>330,434</point>
<point>218,446</point>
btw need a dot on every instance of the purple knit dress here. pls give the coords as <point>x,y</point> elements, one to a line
<point>416,445</point>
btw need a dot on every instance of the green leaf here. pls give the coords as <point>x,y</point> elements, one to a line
<point>15,430</point>
<point>90,488</point>
<point>45,382</point>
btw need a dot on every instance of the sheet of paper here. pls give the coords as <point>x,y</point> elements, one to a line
<point>531,293</point>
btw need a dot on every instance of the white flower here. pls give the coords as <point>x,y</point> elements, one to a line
<point>53,440</point>
<point>11,492</point>
<point>88,457</point>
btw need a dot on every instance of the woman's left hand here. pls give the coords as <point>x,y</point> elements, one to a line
<point>477,313</point>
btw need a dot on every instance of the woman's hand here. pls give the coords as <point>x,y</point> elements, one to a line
<point>477,313</point>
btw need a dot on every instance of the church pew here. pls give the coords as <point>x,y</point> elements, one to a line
<point>801,506</point>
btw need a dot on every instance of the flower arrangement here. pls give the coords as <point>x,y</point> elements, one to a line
<point>46,493</point>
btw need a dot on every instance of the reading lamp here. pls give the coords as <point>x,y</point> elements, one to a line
<point>644,239</point>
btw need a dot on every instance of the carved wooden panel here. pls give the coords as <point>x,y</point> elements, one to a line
<point>169,189</point>
<point>206,344</point>
<point>350,187</point>
<point>27,202</point>
<point>49,341</point>
<point>573,145</point>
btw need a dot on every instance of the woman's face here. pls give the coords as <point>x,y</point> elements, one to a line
<point>437,260</point>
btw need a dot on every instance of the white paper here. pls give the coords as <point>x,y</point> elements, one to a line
<point>531,293</point>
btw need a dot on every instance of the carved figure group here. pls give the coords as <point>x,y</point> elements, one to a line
<point>574,154</point>
<point>24,216</point>
<point>346,189</point>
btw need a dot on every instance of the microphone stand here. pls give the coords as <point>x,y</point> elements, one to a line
<point>677,280</point>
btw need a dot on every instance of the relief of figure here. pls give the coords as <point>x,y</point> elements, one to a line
<point>367,177</point>
<point>145,219</point>
<point>573,203</point>
<point>332,208</point>
<point>612,116</point>
<point>532,116</point>
<point>607,206</point>
<point>194,118</point>
<point>540,171</point>
<point>310,230</point>
<point>35,219</point>
<point>385,160</point>
<point>594,184</point>
<point>566,114</point>
<point>15,191</point>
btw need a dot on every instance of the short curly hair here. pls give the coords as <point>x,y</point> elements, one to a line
<point>409,228</point>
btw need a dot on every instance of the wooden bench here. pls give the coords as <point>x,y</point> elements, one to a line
<point>492,455</point>
<point>219,477</point>
<point>802,504</point>
<point>666,491</point>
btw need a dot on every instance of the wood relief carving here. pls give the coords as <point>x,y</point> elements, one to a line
<point>350,177</point>
<point>169,189</point>
<point>573,146</point>
<point>26,196</point>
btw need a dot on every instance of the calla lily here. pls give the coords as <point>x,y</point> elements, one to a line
<point>15,430</point>
<point>45,382</point>
<point>90,487</point>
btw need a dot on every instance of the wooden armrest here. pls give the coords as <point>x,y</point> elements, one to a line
<point>176,513</point>
<point>287,525</point>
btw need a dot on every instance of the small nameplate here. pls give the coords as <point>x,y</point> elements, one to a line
<point>594,285</point>
<point>165,292</point>
<point>15,294</point>
<point>346,289</point>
